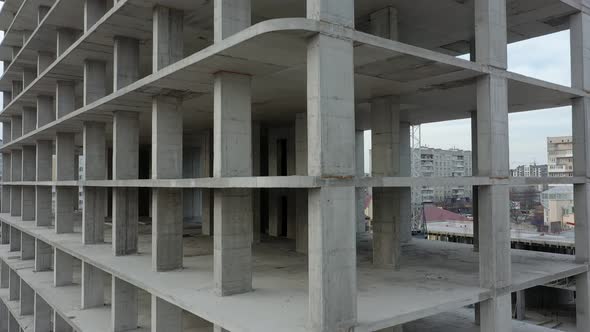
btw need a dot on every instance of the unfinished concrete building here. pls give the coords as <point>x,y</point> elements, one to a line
<point>243,119</point>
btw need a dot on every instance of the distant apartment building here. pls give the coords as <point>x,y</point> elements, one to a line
<point>444,163</point>
<point>560,156</point>
<point>530,171</point>
<point>558,204</point>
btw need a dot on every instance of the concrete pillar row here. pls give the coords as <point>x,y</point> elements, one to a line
<point>167,218</point>
<point>580,69</point>
<point>125,167</point>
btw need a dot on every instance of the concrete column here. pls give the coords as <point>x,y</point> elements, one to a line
<point>332,211</point>
<point>492,161</point>
<point>15,239</point>
<point>42,12</point>
<point>43,256</point>
<point>386,161</point>
<point>43,213</point>
<point>4,313</point>
<point>65,169</point>
<point>5,238</point>
<point>4,275</point>
<point>167,216</point>
<point>475,198</point>
<point>95,198</point>
<point>360,172</point>
<point>384,23</point>
<point>166,317</point>
<point>13,325</point>
<point>6,167</point>
<point>16,164</point>
<point>17,88</point>
<point>29,75</point>
<point>29,119</point>
<point>44,156</point>
<point>168,46</point>
<point>63,269</point>
<point>27,299</point>
<point>16,127</point>
<point>126,61</point>
<point>93,12</point>
<point>580,69</point>
<point>230,17</point>
<point>95,81</point>
<point>206,162</point>
<point>13,286</point>
<point>28,192</point>
<point>334,11</point>
<point>7,98</point>
<point>16,201</point>
<point>123,305</point>
<point>27,247</point>
<point>92,286</point>
<point>42,315</point>
<point>520,305</point>
<point>45,110</point>
<point>301,236</point>
<point>405,193</point>
<point>65,98</point>
<point>65,38</point>
<point>44,60</point>
<point>6,131</point>
<point>125,167</point>
<point>60,324</point>
<point>256,161</point>
<point>232,207</point>
<point>43,206</point>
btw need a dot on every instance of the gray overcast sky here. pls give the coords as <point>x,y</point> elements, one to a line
<point>546,58</point>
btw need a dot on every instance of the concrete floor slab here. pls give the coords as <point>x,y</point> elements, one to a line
<point>437,276</point>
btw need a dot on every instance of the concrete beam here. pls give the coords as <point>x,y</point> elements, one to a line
<point>126,61</point>
<point>43,256</point>
<point>332,212</point>
<point>232,132</point>
<point>230,17</point>
<point>93,280</point>
<point>168,37</point>
<point>124,305</point>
